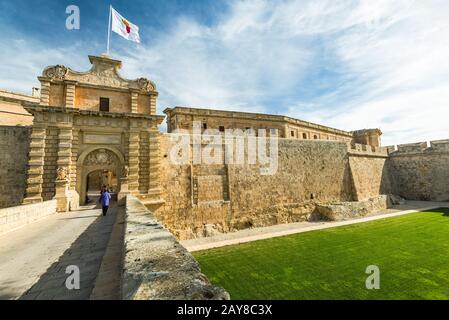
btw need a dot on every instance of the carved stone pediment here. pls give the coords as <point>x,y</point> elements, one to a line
<point>146,85</point>
<point>57,72</point>
<point>104,73</point>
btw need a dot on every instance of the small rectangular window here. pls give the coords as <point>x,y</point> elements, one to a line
<point>293,133</point>
<point>221,128</point>
<point>104,104</point>
<point>204,126</point>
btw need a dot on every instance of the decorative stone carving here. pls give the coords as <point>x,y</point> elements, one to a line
<point>100,157</point>
<point>57,72</point>
<point>61,173</point>
<point>145,84</point>
<point>125,172</point>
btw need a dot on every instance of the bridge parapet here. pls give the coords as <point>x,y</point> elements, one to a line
<point>156,266</point>
<point>19,216</point>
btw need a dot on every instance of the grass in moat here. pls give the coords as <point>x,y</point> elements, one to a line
<point>411,251</point>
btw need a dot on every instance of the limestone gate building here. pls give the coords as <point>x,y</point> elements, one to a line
<point>85,129</point>
<point>92,121</point>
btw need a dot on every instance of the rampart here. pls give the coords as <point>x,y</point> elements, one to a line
<point>14,145</point>
<point>202,199</point>
<point>420,171</point>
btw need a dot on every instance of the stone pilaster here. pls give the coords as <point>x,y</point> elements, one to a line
<point>153,98</point>
<point>134,101</point>
<point>45,92</point>
<point>133,160</point>
<point>75,148</point>
<point>65,149</point>
<point>154,175</point>
<point>70,94</point>
<point>35,165</point>
<point>64,162</point>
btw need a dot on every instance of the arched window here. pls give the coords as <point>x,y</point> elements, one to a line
<point>315,136</point>
<point>304,135</point>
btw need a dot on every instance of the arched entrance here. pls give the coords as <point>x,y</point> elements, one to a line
<point>97,167</point>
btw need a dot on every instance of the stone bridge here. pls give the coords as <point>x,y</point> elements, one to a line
<point>126,255</point>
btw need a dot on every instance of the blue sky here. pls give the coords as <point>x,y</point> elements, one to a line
<point>347,64</point>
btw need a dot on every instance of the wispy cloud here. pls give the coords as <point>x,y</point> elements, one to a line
<point>349,64</point>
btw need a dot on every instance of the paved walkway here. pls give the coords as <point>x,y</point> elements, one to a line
<point>34,258</point>
<point>253,234</point>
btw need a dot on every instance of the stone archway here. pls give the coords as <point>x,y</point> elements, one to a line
<point>94,159</point>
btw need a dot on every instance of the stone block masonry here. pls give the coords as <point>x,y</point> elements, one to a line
<point>14,146</point>
<point>420,171</point>
<point>18,216</point>
<point>156,266</point>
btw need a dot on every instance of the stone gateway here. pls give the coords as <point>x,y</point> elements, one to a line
<point>82,130</point>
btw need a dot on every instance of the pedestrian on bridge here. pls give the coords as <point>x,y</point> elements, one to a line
<point>105,197</point>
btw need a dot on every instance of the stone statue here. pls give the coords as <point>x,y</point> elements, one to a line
<point>62,173</point>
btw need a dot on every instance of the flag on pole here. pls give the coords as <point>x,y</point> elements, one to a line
<point>123,27</point>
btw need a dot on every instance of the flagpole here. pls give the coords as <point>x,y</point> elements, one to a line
<point>109,28</point>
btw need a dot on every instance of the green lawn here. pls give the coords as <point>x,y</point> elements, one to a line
<point>411,251</point>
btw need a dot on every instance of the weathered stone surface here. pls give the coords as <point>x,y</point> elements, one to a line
<point>156,266</point>
<point>13,164</point>
<point>421,173</point>
<point>15,217</point>
<point>353,209</point>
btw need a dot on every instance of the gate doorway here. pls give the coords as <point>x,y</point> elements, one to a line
<point>97,168</point>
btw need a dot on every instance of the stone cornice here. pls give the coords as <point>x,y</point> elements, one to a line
<point>33,108</point>
<point>252,116</point>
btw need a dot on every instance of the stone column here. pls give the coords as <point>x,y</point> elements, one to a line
<point>133,160</point>
<point>35,165</point>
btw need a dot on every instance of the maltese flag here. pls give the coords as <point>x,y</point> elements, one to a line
<point>124,28</point>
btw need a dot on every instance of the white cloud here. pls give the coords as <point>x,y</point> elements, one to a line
<point>390,58</point>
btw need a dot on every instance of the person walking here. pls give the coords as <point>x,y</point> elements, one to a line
<point>105,197</point>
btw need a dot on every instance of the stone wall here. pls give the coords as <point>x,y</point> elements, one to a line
<point>14,144</point>
<point>421,171</point>
<point>369,171</point>
<point>200,199</point>
<point>15,217</point>
<point>156,266</point>
<point>308,172</point>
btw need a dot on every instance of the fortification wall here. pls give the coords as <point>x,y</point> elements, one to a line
<point>201,200</point>
<point>14,144</point>
<point>369,171</point>
<point>308,172</point>
<point>420,171</point>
